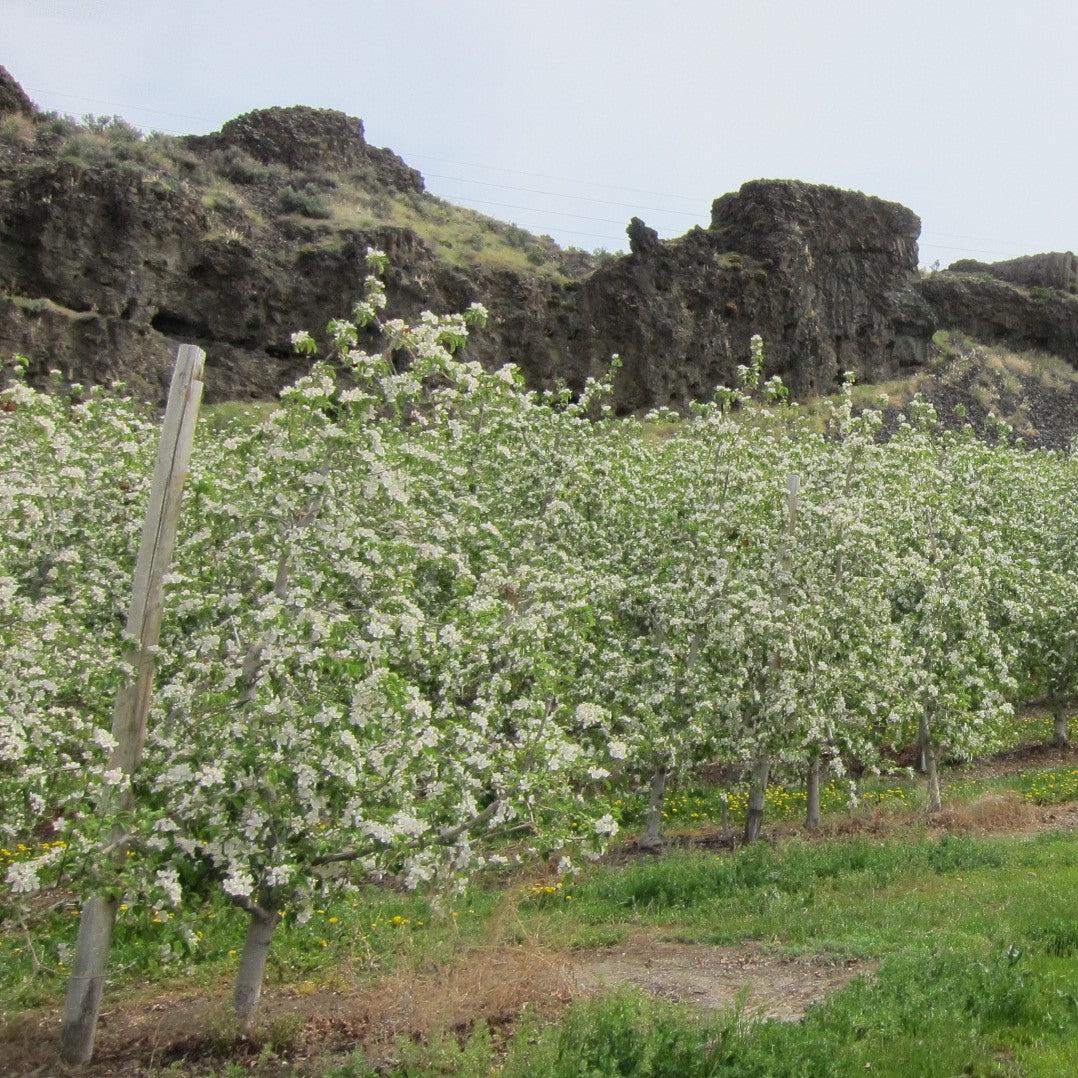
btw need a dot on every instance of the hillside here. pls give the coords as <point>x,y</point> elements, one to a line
<point>1035,392</point>
<point>115,246</point>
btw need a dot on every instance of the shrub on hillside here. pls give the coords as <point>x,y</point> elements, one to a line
<point>305,203</point>
<point>240,167</point>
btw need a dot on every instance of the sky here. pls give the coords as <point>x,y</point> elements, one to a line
<point>570,116</point>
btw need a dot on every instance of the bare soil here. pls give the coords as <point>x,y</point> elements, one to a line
<point>302,1027</point>
<point>716,978</point>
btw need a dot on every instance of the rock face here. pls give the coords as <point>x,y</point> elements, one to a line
<point>1057,269</point>
<point>995,311</point>
<point>827,277</point>
<point>12,96</point>
<point>112,252</point>
<point>303,138</point>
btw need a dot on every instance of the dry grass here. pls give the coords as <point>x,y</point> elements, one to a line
<point>1003,812</point>
<point>17,129</point>
<point>305,1021</point>
<point>492,983</point>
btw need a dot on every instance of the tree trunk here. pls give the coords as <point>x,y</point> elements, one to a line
<point>754,817</point>
<point>1060,727</point>
<point>83,1002</point>
<point>931,762</point>
<point>812,786</point>
<point>652,837</point>
<point>252,967</point>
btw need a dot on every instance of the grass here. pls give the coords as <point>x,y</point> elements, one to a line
<point>978,966</point>
<point>225,417</point>
<point>44,305</point>
<point>999,379</point>
<point>377,930</point>
<point>460,236</point>
<point>17,129</point>
<point>975,937</point>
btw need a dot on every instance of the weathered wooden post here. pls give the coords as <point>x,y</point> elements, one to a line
<point>83,1002</point>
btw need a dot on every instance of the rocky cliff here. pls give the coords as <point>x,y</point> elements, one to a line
<point>115,247</point>
<point>1023,303</point>
<point>827,277</point>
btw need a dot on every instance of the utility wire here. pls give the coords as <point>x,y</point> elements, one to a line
<point>540,191</point>
<point>560,194</point>
<point>126,108</point>
<point>540,209</point>
<point>561,179</point>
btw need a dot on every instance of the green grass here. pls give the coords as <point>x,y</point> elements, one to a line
<point>976,940</point>
<point>242,193</point>
<point>978,971</point>
<point>702,806</point>
<point>228,416</point>
<point>461,236</point>
<point>43,305</point>
<point>363,931</point>
<point>373,931</point>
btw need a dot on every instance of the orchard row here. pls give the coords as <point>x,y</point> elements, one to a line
<point>421,618</point>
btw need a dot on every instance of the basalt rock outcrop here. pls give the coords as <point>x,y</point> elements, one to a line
<point>1055,269</point>
<point>302,139</point>
<point>112,253</point>
<point>995,310</point>
<point>13,97</point>
<point>827,277</point>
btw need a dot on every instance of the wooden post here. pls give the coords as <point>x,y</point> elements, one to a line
<point>132,704</point>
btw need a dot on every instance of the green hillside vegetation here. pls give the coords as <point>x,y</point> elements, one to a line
<point>250,199</point>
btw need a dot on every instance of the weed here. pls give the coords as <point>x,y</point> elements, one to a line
<point>17,129</point>
<point>240,167</point>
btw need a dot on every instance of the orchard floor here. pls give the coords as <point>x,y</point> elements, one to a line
<point>886,943</point>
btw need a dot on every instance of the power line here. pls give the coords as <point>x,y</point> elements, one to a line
<point>559,194</point>
<point>539,209</point>
<point>541,191</point>
<point>968,250</point>
<point>561,179</point>
<point>575,232</point>
<point>126,108</point>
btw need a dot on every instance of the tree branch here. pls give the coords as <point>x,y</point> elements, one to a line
<point>445,837</point>
<point>252,907</point>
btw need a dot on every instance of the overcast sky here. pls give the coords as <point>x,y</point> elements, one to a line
<point>569,116</point>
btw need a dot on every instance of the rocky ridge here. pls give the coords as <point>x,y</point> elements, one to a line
<point>115,247</point>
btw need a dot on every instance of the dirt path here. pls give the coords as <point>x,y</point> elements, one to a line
<point>305,1026</point>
